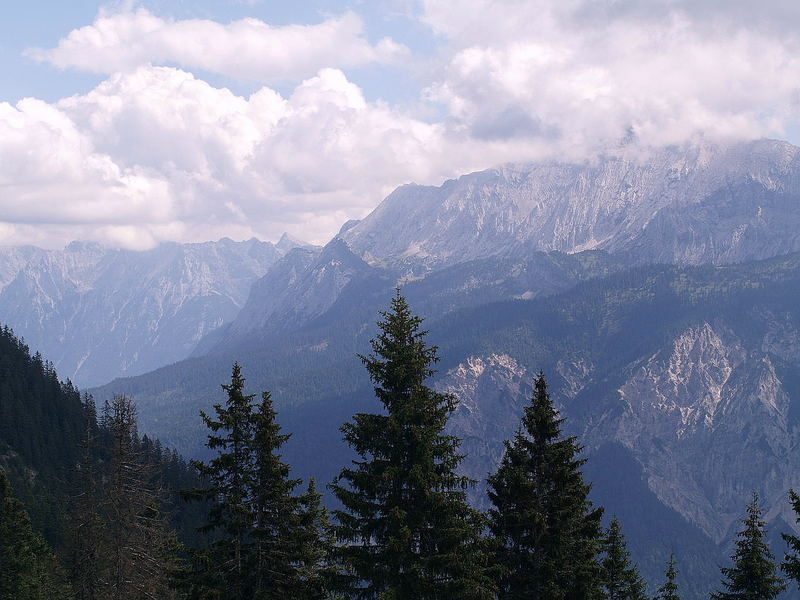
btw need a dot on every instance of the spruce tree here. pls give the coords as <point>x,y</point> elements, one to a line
<point>222,569</point>
<point>753,575</point>
<point>669,591</point>
<point>547,534</point>
<point>274,508</point>
<point>315,546</point>
<point>621,580</point>
<point>269,542</point>
<point>791,562</point>
<point>28,568</point>
<point>405,529</point>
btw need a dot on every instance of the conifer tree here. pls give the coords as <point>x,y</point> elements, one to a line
<point>269,542</point>
<point>621,580</point>
<point>669,591</point>
<point>547,534</point>
<point>274,508</point>
<point>753,574</point>
<point>315,547</point>
<point>405,529</point>
<point>28,568</point>
<point>791,562</point>
<point>229,477</point>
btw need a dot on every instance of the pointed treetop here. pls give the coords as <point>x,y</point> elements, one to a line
<point>753,574</point>
<point>669,590</point>
<point>621,577</point>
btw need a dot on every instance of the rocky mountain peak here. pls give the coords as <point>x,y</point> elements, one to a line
<point>288,242</point>
<point>619,202</point>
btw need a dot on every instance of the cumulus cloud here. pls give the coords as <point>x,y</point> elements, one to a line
<point>155,153</point>
<point>587,75</point>
<point>159,154</point>
<point>247,49</point>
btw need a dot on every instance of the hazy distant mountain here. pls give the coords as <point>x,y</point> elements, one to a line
<point>100,313</point>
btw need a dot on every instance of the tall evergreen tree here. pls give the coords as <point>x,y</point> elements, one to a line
<point>230,476</point>
<point>315,547</point>
<point>753,575</point>
<point>669,591</point>
<point>791,562</point>
<point>269,542</point>
<point>406,530</point>
<point>274,507</point>
<point>621,580</point>
<point>28,568</point>
<point>547,533</point>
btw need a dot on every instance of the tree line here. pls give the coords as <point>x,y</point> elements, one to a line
<point>402,528</point>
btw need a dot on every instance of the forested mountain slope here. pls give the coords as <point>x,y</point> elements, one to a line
<point>41,421</point>
<point>43,443</point>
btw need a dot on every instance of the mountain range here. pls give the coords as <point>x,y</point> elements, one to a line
<point>98,313</point>
<point>656,289</point>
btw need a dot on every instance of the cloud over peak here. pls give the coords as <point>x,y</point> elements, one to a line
<point>155,152</point>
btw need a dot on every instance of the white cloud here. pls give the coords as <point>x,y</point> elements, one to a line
<point>247,49</point>
<point>585,74</point>
<point>158,154</point>
<point>155,153</point>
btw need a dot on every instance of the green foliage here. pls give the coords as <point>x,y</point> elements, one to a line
<point>314,539</point>
<point>791,562</point>
<point>669,590</point>
<point>753,574</point>
<point>230,479</point>
<point>87,557</point>
<point>41,421</point>
<point>406,529</point>
<point>546,531</point>
<point>28,568</point>
<point>43,429</point>
<point>137,539</point>
<point>267,543</point>
<point>621,580</point>
<point>274,509</point>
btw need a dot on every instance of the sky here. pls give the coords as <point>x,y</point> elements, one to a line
<point>137,122</point>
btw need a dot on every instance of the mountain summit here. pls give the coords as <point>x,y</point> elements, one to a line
<point>693,205</point>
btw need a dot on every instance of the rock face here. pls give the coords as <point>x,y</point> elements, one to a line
<point>707,418</point>
<point>100,313</point>
<point>491,392</point>
<point>696,205</point>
